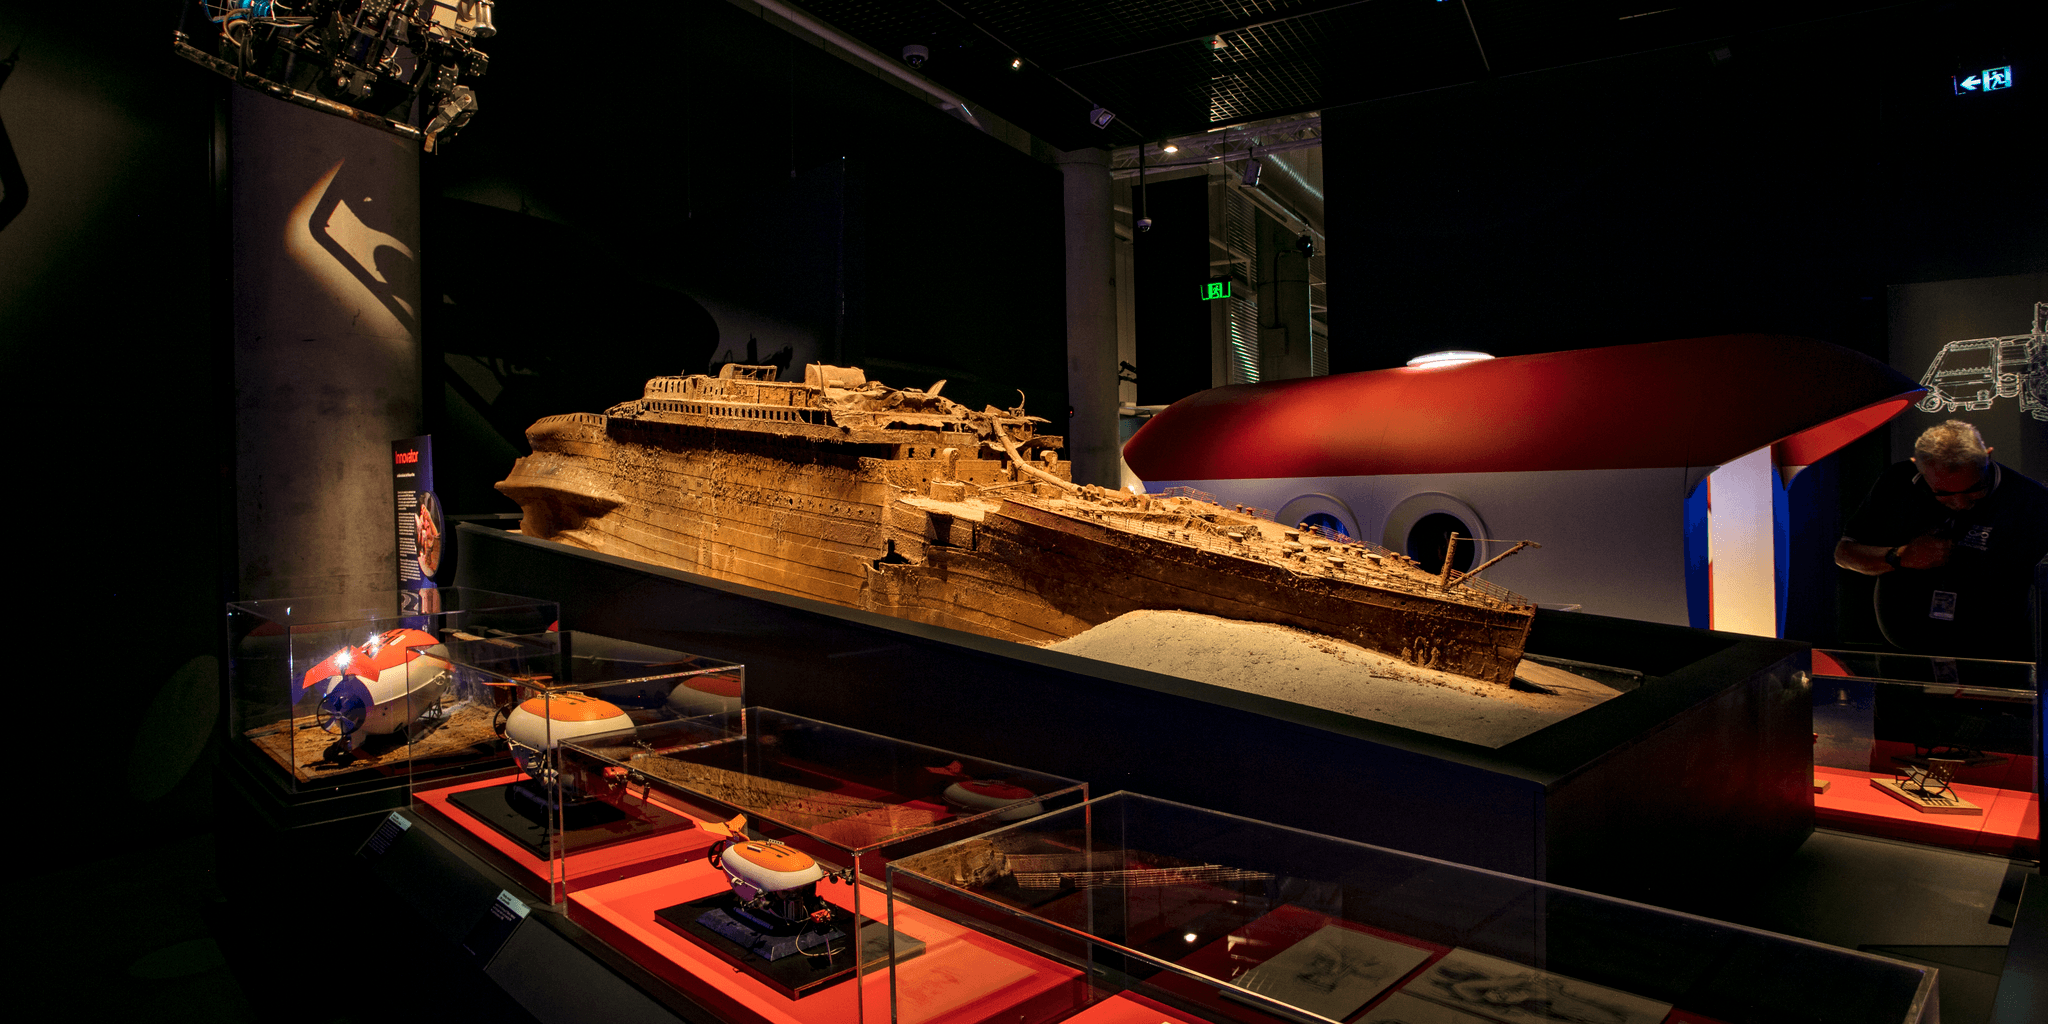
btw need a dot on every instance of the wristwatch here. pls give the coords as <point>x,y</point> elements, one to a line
<point>1894,556</point>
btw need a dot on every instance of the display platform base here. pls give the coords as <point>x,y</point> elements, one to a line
<point>1245,950</point>
<point>1554,805</point>
<point>652,836</point>
<point>1130,1008</point>
<point>1925,802</point>
<point>793,961</point>
<point>519,811</point>
<point>963,977</point>
<point>1969,760</point>
<point>2009,826</point>
<point>312,755</point>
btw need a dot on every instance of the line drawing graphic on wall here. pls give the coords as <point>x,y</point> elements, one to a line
<point>1976,372</point>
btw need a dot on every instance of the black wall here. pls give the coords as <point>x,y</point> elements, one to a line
<point>1778,188</point>
<point>616,213</point>
<point>1171,265</point>
<point>628,202</point>
<point>113,350</point>
<point>1671,195</point>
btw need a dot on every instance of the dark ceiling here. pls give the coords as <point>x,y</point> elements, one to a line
<point>1151,62</point>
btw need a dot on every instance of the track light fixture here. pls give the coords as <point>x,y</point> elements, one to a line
<point>1100,117</point>
<point>1449,357</point>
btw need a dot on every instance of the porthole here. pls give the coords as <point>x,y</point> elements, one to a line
<point>1322,510</point>
<point>1431,534</point>
<point>1420,525</point>
<point>1331,526</point>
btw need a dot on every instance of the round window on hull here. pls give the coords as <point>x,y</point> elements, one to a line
<point>1324,511</point>
<point>1331,526</point>
<point>1429,536</point>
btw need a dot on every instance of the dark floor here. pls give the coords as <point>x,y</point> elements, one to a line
<point>1935,907</point>
<point>150,934</point>
<point>200,912</point>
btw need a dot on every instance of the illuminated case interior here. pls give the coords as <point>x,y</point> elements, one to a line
<point>506,802</point>
<point>817,799</point>
<point>1882,722</point>
<point>1154,910</point>
<point>334,695</point>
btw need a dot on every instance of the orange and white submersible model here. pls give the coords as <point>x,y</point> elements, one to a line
<point>387,686</point>
<point>779,911</point>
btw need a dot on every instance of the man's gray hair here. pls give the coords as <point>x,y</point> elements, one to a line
<point>1951,445</point>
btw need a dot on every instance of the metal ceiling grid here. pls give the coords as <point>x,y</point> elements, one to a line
<point>1067,33</point>
<point>1269,70</point>
<point>1530,35</point>
<point>1147,61</point>
<point>1280,67</point>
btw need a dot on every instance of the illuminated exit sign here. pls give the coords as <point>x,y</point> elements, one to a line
<point>1987,80</point>
<point>1216,290</point>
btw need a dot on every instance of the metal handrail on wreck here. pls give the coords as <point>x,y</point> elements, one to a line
<point>1455,578</point>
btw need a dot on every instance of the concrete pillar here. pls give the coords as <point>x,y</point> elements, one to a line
<point>1091,318</point>
<point>1286,337</point>
<point>327,344</point>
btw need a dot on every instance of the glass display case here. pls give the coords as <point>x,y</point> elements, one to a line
<point>503,796</point>
<point>783,916</point>
<point>350,692</point>
<point>1146,911</point>
<point>1938,751</point>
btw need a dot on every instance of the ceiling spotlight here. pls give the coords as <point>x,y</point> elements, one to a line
<point>1016,63</point>
<point>1251,172</point>
<point>1100,117</point>
<point>1449,357</point>
<point>1168,147</point>
<point>1216,42</point>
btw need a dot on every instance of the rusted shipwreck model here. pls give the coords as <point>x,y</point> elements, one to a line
<point>908,503</point>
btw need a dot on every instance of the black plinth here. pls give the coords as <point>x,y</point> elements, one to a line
<point>1667,793</point>
<point>519,812</point>
<point>715,922</point>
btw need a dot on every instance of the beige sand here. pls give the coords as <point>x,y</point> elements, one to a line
<point>1305,668</point>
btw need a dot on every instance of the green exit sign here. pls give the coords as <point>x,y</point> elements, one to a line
<point>1216,290</point>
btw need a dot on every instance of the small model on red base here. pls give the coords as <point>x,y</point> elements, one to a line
<point>779,910</point>
<point>975,796</point>
<point>388,685</point>
<point>539,724</point>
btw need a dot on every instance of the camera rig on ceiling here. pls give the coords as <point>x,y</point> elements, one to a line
<point>402,66</point>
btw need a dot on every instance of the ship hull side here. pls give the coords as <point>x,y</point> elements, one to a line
<point>797,516</point>
<point>772,513</point>
<point>1096,573</point>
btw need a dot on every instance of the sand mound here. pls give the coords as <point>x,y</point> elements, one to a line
<point>1305,668</point>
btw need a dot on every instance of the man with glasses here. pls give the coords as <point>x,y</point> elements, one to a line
<point>1952,537</point>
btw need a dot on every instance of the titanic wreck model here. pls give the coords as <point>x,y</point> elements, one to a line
<point>907,503</point>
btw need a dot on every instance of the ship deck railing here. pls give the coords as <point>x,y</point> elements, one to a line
<point>1489,588</point>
